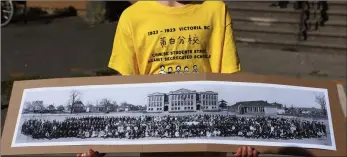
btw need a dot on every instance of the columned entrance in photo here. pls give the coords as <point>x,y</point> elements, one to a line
<point>243,110</point>
<point>166,108</point>
<point>251,109</point>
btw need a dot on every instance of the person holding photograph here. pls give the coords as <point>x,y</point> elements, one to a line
<point>163,35</point>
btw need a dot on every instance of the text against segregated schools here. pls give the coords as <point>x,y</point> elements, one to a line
<point>178,55</point>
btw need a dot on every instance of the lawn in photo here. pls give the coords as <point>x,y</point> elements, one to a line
<point>176,112</point>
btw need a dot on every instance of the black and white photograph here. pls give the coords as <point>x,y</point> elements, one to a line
<point>215,112</point>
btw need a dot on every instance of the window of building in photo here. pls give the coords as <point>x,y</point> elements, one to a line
<point>184,100</point>
<point>156,100</point>
<point>254,107</point>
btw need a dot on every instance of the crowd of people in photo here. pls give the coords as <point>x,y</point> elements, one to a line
<point>189,126</point>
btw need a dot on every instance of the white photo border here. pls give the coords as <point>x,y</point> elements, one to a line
<point>177,141</point>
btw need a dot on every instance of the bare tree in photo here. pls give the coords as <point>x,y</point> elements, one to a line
<point>51,107</point>
<point>320,100</point>
<point>73,98</point>
<point>105,101</point>
<point>60,108</point>
<point>115,105</point>
<point>68,107</point>
<point>28,107</point>
<point>106,104</point>
<point>292,110</point>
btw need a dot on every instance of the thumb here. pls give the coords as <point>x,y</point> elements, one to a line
<point>250,150</point>
<point>91,153</point>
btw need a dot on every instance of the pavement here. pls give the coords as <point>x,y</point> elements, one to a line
<point>66,46</point>
<point>56,49</point>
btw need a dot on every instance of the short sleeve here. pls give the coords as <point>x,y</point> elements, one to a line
<point>230,58</point>
<point>123,57</point>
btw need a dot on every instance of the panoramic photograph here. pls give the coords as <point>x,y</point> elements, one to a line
<point>176,112</point>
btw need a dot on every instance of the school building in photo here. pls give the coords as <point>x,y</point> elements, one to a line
<point>182,100</point>
<point>254,107</point>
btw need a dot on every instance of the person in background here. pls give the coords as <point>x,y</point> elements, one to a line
<point>244,151</point>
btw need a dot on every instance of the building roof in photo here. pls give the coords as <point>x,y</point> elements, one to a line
<point>38,102</point>
<point>78,103</point>
<point>156,94</point>
<point>307,109</point>
<point>208,92</point>
<point>183,91</point>
<point>126,105</point>
<point>259,103</point>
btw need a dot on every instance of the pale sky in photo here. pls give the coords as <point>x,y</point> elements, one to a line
<point>137,93</point>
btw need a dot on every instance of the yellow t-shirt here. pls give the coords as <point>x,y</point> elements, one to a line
<point>152,38</point>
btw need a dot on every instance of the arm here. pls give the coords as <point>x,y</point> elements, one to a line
<point>230,58</point>
<point>224,58</point>
<point>123,57</point>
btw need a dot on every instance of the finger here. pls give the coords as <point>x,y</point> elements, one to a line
<point>255,153</point>
<point>244,151</point>
<point>238,151</point>
<point>249,151</point>
<point>79,154</point>
<point>91,153</point>
<point>87,154</point>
